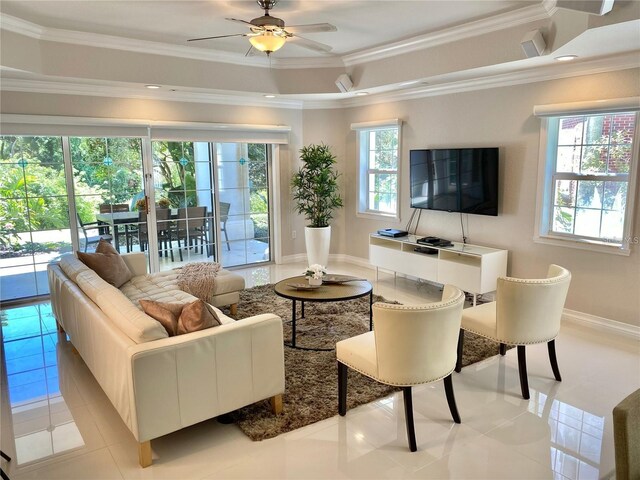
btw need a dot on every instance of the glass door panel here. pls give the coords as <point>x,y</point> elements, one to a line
<point>34,219</point>
<point>244,194</point>
<point>184,177</point>
<point>109,191</point>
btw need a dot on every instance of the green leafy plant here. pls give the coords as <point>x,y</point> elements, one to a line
<point>315,185</point>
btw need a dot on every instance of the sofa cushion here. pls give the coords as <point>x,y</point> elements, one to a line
<point>133,322</point>
<point>196,316</point>
<point>110,266</point>
<point>71,266</point>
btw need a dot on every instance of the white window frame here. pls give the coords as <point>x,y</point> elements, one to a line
<point>546,174</point>
<point>362,151</point>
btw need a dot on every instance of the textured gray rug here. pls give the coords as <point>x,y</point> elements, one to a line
<point>311,379</point>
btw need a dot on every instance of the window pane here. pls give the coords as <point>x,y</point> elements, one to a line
<point>570,132</point>
<point>587,222</point>
<point>597,129</point>
<point>594,159</point>
<point>590,194</point>
<point>619,159</point>
<point>623,126</point>
<point>615,196</point>
<point>565,193</point>
<point>612,225</point>
<point>568,159</point>
<point>563,220</point>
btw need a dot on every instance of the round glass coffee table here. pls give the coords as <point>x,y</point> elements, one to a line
<point>349,288</point>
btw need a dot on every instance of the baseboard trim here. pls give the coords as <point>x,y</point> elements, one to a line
<point>601,324</point>
<point>334,257</point>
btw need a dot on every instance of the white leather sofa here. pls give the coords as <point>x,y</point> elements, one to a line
<point>160,384</point>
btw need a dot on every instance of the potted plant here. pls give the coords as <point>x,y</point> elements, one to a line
<point>314,274</point>
<point>316,196</point>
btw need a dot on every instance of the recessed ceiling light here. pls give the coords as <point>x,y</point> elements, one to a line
<point>566,58</point>
<point>269,96</point>
<point>362,94</point>
<point>153,87</point>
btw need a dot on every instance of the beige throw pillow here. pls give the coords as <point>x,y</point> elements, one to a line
<point>196,316</point>
<point>165,313</point>
<point>178,319</point>
<point>107,263</point>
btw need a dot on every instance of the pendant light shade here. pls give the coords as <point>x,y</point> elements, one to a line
<point>267,41</point>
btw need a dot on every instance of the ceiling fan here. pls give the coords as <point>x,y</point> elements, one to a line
<point>269,34</point>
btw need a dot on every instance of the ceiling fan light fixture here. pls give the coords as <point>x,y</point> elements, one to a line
<point>267,41</point>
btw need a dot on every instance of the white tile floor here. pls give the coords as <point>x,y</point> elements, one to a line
<point>57,423</point>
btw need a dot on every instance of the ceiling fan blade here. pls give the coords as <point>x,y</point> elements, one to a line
<point>237,20</point>
<point>217,36</point>
<point>310,44</point>
<point>311,28</point>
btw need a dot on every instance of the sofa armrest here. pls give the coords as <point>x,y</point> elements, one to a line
<point>136,262</point>
<point>183,380</point>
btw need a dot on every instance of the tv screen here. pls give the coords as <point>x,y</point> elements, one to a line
<point>455,180</point>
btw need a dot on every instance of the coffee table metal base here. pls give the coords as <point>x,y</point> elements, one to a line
<point>333,293</point>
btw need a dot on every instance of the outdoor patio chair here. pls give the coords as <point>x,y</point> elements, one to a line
<point>163,222</point>
<point>191,226</point>
<point>224,216</point>
<point>92,239</point>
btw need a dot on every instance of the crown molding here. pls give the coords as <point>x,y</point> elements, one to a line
<point>428,40</point>
<point>479,82</point>
<point>530,75</point>
<point>116,91</point>
<point>502,21</point>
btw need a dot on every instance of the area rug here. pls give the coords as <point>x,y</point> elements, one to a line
<point>311,378</point>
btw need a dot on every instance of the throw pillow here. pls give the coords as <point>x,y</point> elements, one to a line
<point>165,313</point>
<point>109,266</point>
<point>106,247</point>
<point>196,316</point>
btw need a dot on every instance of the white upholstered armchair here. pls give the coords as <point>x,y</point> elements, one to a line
<point>409,345</point>
<point>526,312</point>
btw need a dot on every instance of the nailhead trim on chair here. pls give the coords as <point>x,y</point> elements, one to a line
<point>537,281</point>
<point>426,306</point>
<point>393,383</point>
<point>495,339</point>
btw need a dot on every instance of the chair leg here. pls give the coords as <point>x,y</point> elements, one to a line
<point>451,399</point>
<point>522,368</point>
<point>460,347</point>
<point>503,349</point>
<point>554,361</point>
<point>180,248</point>
<point>408,413</point>
<point>233,309</point>
<point>342,389</point>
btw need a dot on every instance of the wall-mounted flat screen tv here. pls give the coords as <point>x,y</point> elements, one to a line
<point>455,180</point>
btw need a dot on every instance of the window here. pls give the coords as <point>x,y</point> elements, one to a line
<point>379,167</point>
<point>588,182</point>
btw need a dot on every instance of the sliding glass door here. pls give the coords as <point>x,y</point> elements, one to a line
<point>244,220</point>
<point>176,201</point>
<point>34,219</point>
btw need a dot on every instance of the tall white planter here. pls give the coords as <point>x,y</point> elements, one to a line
<point>318,241</point>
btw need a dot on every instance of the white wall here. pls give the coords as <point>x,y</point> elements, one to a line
<point>603,284</point>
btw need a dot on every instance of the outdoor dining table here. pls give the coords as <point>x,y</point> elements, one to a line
<point>112,220</point>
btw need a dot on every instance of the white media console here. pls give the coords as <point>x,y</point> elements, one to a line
<point>472,268</point>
